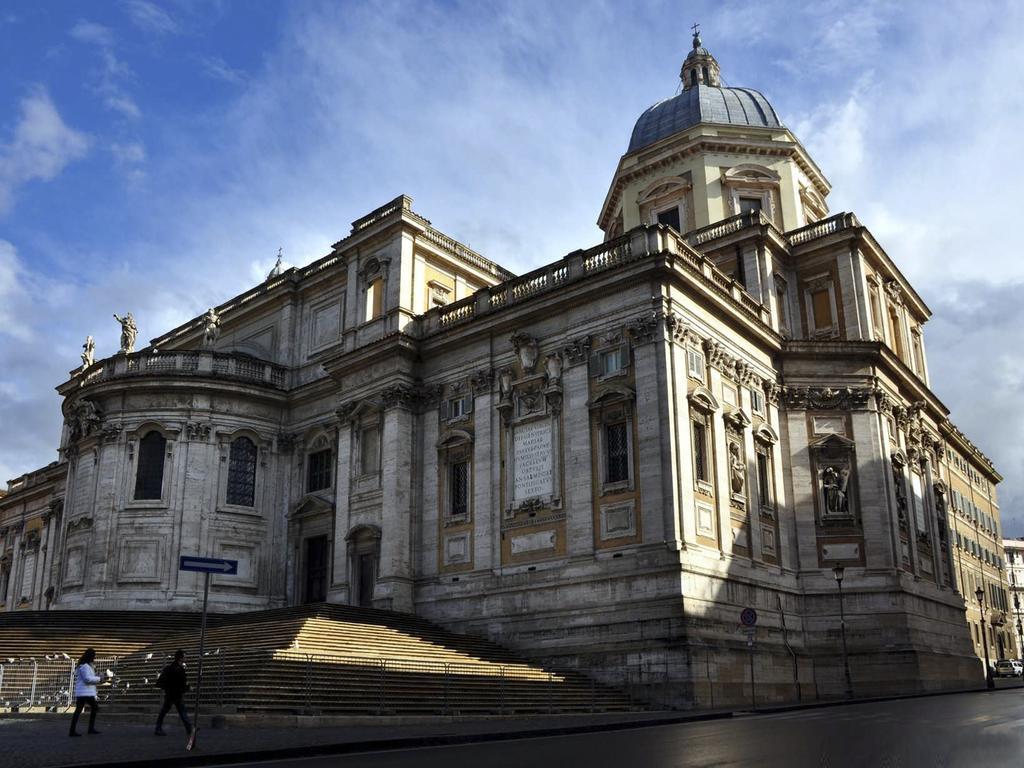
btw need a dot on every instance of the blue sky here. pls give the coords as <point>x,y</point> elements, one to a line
<point>154,156</point>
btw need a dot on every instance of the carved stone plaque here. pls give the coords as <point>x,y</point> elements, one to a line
<point>531,456</point>
<point>531,542</point>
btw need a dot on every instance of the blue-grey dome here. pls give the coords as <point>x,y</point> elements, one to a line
<point>702,104</point>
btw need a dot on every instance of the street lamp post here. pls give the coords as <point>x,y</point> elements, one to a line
<point>980,594</point>
<point>838,572</point>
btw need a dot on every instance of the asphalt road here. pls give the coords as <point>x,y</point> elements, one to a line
<point>976,730</point>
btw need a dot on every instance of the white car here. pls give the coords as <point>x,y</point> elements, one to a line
<point>1009,668</point>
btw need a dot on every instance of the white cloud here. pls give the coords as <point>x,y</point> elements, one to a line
<point>150,18</point>
<point>216,68</point>
<point>92,33</point>
<point>129,153</point>
<point>112,73</point>
<point>41,147</point>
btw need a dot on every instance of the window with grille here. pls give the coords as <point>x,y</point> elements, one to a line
<point>318,474</point>
<point>458,488</point>
<point>149,476</point>
<point>242,473</point>
<point>616,453</point>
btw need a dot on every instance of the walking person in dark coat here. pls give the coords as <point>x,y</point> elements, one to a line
<point>85,691</point>
<point>174,682</point>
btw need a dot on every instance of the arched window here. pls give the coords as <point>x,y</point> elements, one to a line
<point>693,76</point>
<point>149,476</point>
<point>242,473</point>
<point>707,78</point>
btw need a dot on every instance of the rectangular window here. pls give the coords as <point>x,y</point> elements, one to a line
<point>375,299</point>
<point>695,364</point>
<point>821,309</point>
<point>757,401</point>
<point>782,303</point>
<point>369,450</point>
<point>897,335</point>
<point>750,204</point>
<point>457,407</point>
<point>701,470</point>
<point>764,479</point>
<point>318,475</point>
<point>876,312</point>
<point>616,453</point>
<point>612,361</point>
<point>458,488</point>
<point>915,340</point>
<point>670,217</point>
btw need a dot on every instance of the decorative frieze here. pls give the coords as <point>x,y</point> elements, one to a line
<point>80,524</point>
<point>827,398</point>
<point>197,431</point>
<point>577,351</point>
<point>642,330</point>
<point>680,332</point>
<point>399,396</point>
<point>482,381</point>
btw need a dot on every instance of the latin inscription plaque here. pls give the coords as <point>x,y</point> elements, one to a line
<point>531,452</point>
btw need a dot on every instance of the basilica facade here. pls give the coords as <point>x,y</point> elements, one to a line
<point>724,405</point>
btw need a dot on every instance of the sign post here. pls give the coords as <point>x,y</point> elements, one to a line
<point>748,618</point>
<point>205,566</point>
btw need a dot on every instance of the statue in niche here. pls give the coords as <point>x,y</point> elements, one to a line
<point>736,468</point>
<point>129,332</point>
<point>553,368</point>
<point>899,484</point>
<point>211,327</point>
<point>88,352</point>
<point>834,481</point>
<point>526,348</point>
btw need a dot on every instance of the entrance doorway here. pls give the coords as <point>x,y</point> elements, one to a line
<point>367,578</point>
<point>315,587</point>
<point>364,555</point>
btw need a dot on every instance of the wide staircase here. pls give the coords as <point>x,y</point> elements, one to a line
<point>339,660</point>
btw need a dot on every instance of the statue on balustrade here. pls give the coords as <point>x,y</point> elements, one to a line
<point>129,332</point>
<point>88,352</point>
<point>211,327</point>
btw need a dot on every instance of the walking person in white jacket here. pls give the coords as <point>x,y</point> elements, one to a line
<point>85,691</point>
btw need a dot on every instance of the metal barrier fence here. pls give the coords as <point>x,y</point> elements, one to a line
<point>292,681</point>
<point>48,683</point>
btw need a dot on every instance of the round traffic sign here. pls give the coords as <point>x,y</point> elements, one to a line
<point>748,617</point>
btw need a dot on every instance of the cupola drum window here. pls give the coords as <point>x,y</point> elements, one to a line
<point>242,473</point>
<point>149,477</point>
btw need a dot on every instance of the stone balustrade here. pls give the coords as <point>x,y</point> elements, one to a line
<point>206,363</point>
<point>638,243</point>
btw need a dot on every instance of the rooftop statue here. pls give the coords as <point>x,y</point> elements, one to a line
<point>129,332</point>
<point>88,352</point>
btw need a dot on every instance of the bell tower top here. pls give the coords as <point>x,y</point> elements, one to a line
<point>699,67</point>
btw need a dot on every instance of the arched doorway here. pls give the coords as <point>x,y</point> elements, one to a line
<point>363,558</point>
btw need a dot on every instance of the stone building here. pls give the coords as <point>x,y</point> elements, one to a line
<point>600,462</point>
<point>1014,551</point>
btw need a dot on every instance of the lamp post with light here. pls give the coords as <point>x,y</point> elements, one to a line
<point>839,572</point>
<point>980,594</point>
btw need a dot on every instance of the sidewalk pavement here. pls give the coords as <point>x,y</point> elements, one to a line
<point>41,741</point>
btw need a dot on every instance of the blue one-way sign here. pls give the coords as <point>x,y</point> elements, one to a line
<point>208,565</point>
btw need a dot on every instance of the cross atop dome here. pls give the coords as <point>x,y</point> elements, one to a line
<point>700,67</point>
